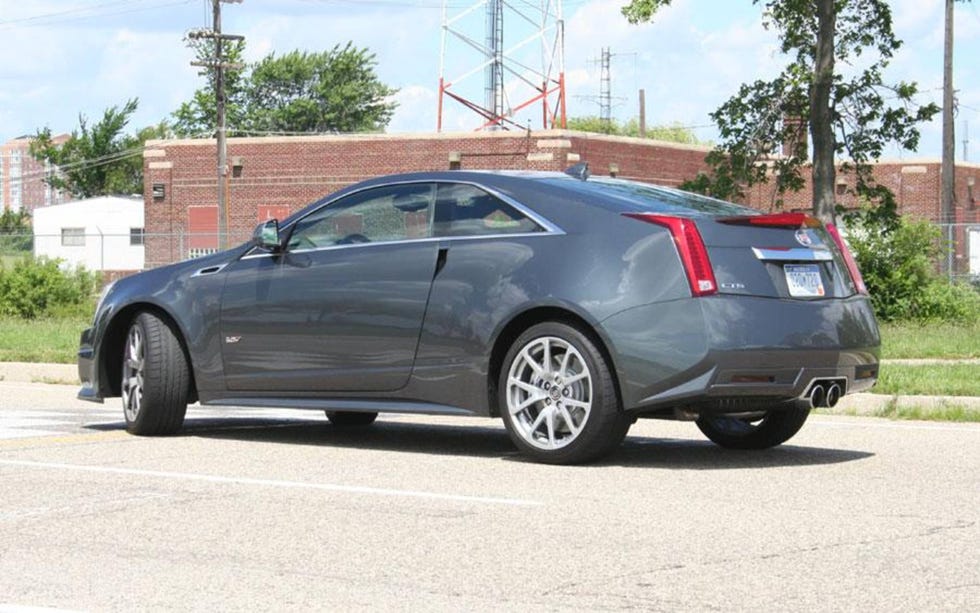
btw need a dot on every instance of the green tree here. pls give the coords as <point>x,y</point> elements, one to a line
<point>198,116</point>
<point>15,231</point>
<point>98,159</point>
<point>672,132</point>
<point>329,91</point>
<point>852,115</point>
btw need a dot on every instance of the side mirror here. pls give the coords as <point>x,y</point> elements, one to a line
<point>266,235</point>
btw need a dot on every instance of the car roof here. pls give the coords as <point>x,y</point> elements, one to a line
<point>530,186</point>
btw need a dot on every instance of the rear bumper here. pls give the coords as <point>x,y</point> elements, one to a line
<point>724,353</point>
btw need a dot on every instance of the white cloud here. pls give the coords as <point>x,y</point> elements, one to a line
<point>415,108</point>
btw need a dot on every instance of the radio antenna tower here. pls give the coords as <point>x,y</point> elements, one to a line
<point>525,78</point>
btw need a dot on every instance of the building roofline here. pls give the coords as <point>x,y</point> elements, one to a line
<point>433,136</point>
<point>134,199</point>
<point>500,134</point>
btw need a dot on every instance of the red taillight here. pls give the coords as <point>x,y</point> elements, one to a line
<point>690,246</point>
<point>852,266</point>
<point>777,220</point>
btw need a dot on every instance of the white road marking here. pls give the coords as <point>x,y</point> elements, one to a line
<point>27,423</point>
<point>328,487</point>
<point>17,608</point>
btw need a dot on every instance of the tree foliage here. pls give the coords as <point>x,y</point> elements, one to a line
<point>15,231</point>
<point>14,222</point>
<point>98,159</point>
<point>832,88</point>
<point>673,132</point>
<point>199,115</point>
<point>329,91</point>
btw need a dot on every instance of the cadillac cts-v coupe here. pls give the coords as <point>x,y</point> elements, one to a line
<point>567,305</point>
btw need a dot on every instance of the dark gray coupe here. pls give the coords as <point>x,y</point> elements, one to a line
<point>568,306</point>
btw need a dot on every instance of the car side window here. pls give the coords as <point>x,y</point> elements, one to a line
<point>382,214</point>
<point>466,210</point>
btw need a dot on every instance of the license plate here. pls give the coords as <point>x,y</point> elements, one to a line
<point>803,280</point>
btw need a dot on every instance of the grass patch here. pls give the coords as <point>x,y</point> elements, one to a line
<point>945,341</point>
<point>929,380</point>
<point>41,340</point>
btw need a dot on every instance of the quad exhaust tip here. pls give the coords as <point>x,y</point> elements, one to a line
<point>818,395</point>
<point>823,394</point>
<point>833,395</point>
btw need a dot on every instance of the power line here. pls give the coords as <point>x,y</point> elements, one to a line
<point>79,165</point>
<point>93,11</point>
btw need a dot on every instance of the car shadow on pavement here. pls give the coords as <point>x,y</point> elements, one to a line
<point>384,434</point>
<point>392,434</point>
<point>705,455</point>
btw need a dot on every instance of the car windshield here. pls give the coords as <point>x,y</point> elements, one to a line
<point>653,198</point>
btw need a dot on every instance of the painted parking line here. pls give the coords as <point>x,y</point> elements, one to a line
<point>273,483</point>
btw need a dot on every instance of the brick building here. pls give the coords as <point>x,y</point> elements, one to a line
<point>273,176</point>
<point>916,185</point>
<point>22,186</point>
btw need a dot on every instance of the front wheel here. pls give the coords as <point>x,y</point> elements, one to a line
<point>557,396</point>
<point>155,377</point>
<point>773,428</point>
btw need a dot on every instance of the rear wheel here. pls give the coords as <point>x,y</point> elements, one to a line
<point>351,418</point>
<point>557,396</point>
<point>155,377</point>
<point>773,428</point>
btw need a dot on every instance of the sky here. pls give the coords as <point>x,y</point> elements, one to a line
<point>63,58</point>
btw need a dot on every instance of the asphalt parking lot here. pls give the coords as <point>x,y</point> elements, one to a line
<point>257,510</point>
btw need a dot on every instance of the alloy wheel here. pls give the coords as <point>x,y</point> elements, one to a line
<point>549,393</point>
<point>134,362</point>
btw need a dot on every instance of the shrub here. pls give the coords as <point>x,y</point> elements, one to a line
<point>33,287</point>
<point>899,263</point>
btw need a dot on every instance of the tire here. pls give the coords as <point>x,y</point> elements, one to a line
<point>155,377</point>
<point>557,397</point>
<point>775,428</point>
<point>345,419</point>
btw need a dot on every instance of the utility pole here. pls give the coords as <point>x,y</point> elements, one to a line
<point>966,141</point>
<point>643,113</point>
<point>605,99</point>
<point>949,143</point>
<point>605,88</point>
<point>219,66</point>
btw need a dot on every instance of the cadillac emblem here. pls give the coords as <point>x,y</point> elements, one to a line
<point>803,238</point>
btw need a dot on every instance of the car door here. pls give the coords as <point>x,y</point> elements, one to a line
<point>342,306</point>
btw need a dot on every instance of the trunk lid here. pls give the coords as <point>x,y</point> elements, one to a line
<point>788,255</point>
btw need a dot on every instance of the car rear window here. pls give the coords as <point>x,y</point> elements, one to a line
<point>634,196</point>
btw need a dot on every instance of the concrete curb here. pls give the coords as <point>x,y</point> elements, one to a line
<point>870,404</point>
<point>29,372</point>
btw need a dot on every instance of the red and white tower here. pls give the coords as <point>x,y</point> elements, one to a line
<point>523,64</point>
